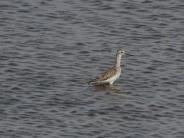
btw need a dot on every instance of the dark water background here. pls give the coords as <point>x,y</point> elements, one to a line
<point>50,48</point>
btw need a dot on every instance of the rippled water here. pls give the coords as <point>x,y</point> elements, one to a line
<point>50,48</point>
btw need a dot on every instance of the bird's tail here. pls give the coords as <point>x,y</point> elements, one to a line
<point>91,82</point>
<point>95,82</point>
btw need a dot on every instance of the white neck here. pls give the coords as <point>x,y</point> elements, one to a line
<point>118,60</point>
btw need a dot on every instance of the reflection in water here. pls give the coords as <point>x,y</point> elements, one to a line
<point>110,89</point>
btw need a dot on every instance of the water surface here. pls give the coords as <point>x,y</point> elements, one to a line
<point>50,48</point>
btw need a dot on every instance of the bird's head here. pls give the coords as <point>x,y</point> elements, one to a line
<point>121,52</point>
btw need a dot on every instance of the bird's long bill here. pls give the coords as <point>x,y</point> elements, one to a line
<point>127,54</point>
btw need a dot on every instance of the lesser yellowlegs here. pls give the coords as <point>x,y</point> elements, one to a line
<point>112,74</point>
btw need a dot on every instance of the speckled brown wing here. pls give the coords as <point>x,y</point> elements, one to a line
<point>106,75</point>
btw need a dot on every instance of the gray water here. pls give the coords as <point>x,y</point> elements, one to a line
<point>49,49</point>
